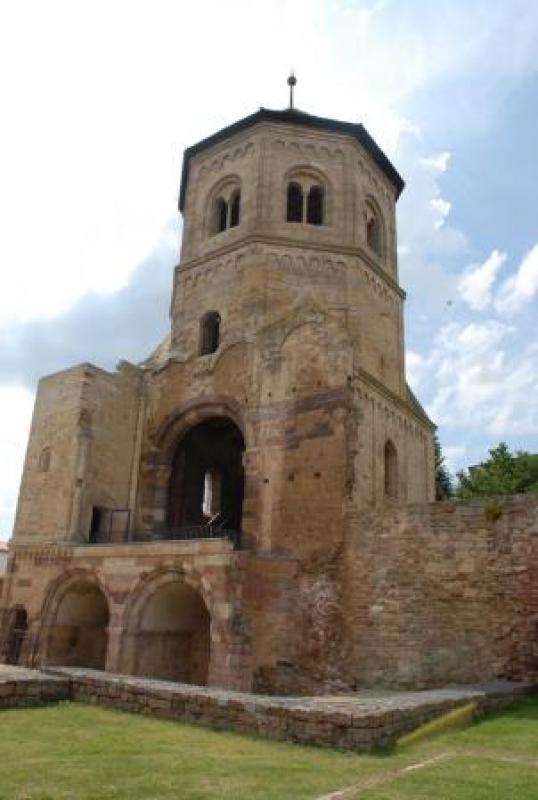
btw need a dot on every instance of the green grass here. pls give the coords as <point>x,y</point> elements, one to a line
<point>462,778</point>
<point>77,752</point>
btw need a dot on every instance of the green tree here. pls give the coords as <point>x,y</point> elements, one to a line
<point>443,481</point>
<point>502,473</point>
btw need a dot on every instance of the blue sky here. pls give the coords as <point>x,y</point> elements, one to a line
<point>102,98</point>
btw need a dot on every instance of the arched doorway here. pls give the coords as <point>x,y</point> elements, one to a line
<point>78,633</point>
<point>207,479</point>
<point>171,635</point>
<point>17,628</point>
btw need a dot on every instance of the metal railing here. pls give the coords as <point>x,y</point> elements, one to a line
<point>184,534</point>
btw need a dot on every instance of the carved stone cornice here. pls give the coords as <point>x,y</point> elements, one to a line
<point>282,241</point>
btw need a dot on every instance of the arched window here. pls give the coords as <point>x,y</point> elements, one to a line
<point>374,233</point>
<point>209,333</point>
<point>234,208</point>
<point>294,211</point>
<point>211,501</point>
<point>314,209</point>
<point>391,470</point>
<point>43,462</point>
<point>224,205</point>
<point>221,214</point>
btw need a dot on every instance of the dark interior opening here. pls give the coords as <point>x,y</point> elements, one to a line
<point>210,333</point>
<point>314,212</point>
<point>96,524</point>
<point>211,448</point>
<point>373,234</point>
<point>17,629</point>
<point>295,203</point>
<point>221,214</point>
<point>234,210</point>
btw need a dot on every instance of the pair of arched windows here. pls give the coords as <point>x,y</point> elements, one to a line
<point>226,212</point>
<point>209,333</point>
<point>305,206</point>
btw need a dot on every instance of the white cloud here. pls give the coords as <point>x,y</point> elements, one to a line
<point>442,210</point>
<point>438,162</point>
<point>476,283</point>
<point>478,383</point>
<point>16,405</point>
<point>519,289</point>
<point>413,365</point>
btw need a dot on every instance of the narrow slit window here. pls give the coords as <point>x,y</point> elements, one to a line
<point>295,203</point>
<point>373,232</point>
<point>210,333</point>
<point>43,463</point>
<point>234,209</point>
<point>314,212</point>
<point>221,215</point>
<point>391,470</point>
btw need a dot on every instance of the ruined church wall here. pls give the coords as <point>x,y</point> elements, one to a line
<point>440,593</point>
<point>380,418</point>
<point>111,407</point>
<point>80,452</point>
<point>46,494</point>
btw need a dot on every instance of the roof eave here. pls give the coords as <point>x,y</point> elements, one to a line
<point>355,130</point>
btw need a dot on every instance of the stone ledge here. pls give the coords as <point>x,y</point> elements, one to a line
<point>356,722</point>
<point>23,687</point>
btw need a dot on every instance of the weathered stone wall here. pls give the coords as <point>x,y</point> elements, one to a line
<point>85,419</point>
<point>441,592</point>
<point>261,161</point>
<point>46,495</point>
<point>20,687</point>
<point>350,723</point>
<point>40,576</point>
<point>111,409</point>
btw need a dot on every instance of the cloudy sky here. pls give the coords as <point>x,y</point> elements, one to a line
<point>99,99</point>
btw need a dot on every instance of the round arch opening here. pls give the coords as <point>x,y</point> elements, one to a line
<point>207,479</point>
<point>16,631</point>
<point>171,639</point>
<point>78,635</point>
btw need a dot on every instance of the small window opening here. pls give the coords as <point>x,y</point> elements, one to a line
<point>43,463</point>
<point>373,232</point>
<point>234,209</point>
<point>391,470</point>
<point>98,524</point>
<point>210,333</point>
<point>221,214</point>
<point>295,203</point>
<point>314,211</point>
<point>211,502</point>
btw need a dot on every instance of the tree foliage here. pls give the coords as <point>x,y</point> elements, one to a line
<point>443,481</point>
<point>502,473</point>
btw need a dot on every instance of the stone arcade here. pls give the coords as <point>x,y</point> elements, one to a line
<point>251,507</point>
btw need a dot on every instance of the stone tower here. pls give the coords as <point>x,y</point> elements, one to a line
<point>205,478</point>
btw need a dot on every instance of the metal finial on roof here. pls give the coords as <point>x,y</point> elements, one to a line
<point>292,80</point>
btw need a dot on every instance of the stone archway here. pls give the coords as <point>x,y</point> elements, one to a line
<point>17,629</point>
<point>168,632</point>
<point>207,479</point>
<point>77,629</point>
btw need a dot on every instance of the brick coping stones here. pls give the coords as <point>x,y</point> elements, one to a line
<point>357,722</point>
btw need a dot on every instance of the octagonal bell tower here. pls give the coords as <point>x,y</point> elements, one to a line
<point>287,322</point>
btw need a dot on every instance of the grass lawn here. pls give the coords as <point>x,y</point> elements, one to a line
<point>73,751</point>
